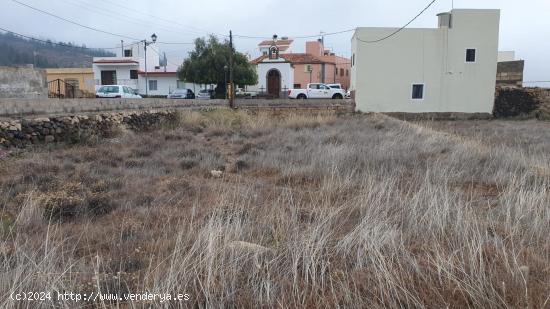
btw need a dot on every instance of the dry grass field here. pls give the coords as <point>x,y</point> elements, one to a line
<point>357,211</point>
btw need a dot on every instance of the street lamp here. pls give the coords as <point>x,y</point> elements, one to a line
<point>145,44</point>
<point>225,78</point>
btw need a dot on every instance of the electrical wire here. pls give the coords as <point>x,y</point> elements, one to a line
<point>73,22</point>
<point>58,44</point>
<point>400,29</point>
<point>92,28</point>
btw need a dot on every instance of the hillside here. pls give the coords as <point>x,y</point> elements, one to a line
<point>18,51</point>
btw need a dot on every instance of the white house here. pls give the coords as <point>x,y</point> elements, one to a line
<point>128,68</point>
<point>451,68</point>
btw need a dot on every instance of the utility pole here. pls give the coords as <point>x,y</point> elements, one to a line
<point>231,92</point>
<point>122,48</point>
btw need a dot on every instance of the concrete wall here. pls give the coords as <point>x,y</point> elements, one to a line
<point>384,72</point>
<point>25,107</point>
<point>504,56</point>
<point>23,82</point>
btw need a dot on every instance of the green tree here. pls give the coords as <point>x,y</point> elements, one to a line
<point>206,65</point>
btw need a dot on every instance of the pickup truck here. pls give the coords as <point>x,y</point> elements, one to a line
<point>316,91</point>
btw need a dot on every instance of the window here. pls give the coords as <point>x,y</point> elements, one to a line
<point>108,77</point>
<point>341,72</point>
<point>347,72</point>
<point>418,91</point>
<point>308,68</point>
<point>153,85</point>
<point>133,74</point>
<point>127,53</point>
<point>353,60</point>
<point>126,90</point>
<point>265,53</point>
<point>314,86</point>
<point>470,55</point>
<point>297,86</point>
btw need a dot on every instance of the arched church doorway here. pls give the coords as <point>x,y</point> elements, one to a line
<point>274,83</point>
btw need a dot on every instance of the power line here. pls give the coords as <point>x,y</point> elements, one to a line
<point>92,28</point>
<point>400,29</point>
<point>73,22</point>
<point>295,36</point>
<point>164,19</point>
<point>54,43</point>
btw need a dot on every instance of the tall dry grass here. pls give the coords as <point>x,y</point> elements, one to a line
<point>352,212</point>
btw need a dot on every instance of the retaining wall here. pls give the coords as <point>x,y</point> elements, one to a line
<point>523,103</point>
<point>23,82</point>
<point>20,108</point>
<point>20,132</point>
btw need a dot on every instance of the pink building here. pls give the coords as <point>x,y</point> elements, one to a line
<point>279,68</point>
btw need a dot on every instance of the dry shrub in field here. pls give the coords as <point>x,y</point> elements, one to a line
<point>361,211</point>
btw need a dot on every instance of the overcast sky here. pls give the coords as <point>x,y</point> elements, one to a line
<point>525,26</point>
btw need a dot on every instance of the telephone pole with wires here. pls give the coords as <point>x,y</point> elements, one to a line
<point>231,91</point>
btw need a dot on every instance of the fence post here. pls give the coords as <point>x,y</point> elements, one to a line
<point>58,88</point>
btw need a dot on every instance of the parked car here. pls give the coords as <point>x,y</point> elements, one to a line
<point>182,94</point>
<point>205,94</point>
<point>348,94</point>
<point>241,93</point>
<point>316,91</point>
<point>335,86</point>
<point>116,91</point>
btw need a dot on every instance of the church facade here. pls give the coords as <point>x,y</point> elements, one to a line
<point>279,69</point>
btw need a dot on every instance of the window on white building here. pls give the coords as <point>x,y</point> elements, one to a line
<point>127,53</point>
<point>470,55</point>
<point>153,85</point>
<point>133,74</point>
<point>418,91</point>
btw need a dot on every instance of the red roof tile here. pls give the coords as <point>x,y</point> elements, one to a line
<point>294,59</point>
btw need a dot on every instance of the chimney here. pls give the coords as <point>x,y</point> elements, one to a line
<point>315,48</point>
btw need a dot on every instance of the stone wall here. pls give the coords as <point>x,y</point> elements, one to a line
<point>510,73</point>
<point>20,108</point>
<point>522,103</point>
<point>77,128</point>
<point>16,132</point>
<point>23,82</point>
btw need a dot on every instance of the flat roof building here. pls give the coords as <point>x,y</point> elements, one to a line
<point>451,68</point>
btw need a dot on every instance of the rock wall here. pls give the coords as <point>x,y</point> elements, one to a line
<point>523,103</point>
<point>510,73</point>
<point>23,82</point>
<point>73,129</point>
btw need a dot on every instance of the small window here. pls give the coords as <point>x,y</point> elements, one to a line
<point>353,60</point>
<point>133,74</point>
<point>127,53</point>
<point>470,55</point>
<point>418,91</point>
<point>153,85</point>
<point>347,72</point>
<point>341,72</point>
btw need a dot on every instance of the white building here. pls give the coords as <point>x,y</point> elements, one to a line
<point>128,68</point>
<point>451,68</point>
